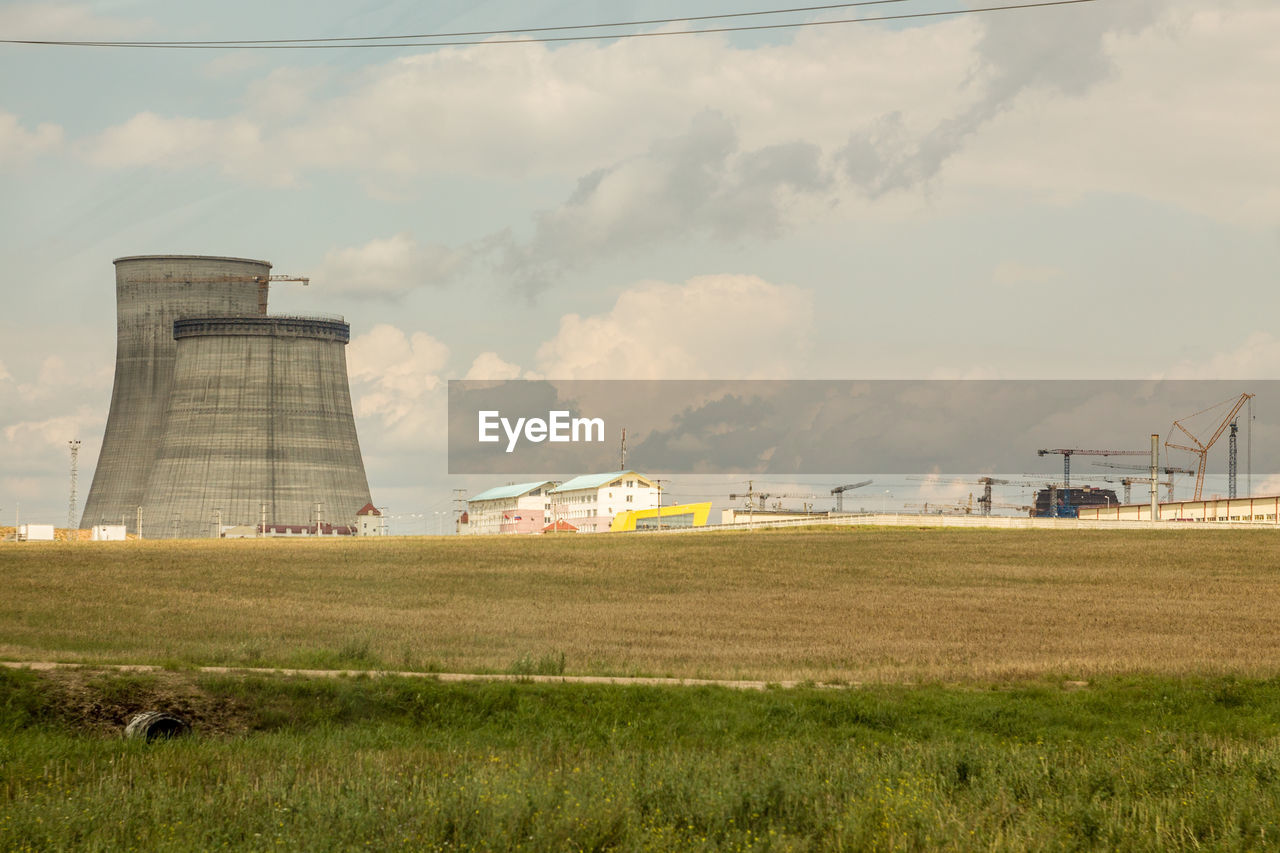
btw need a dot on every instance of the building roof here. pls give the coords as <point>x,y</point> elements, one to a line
<point>594,481</point>
<point>368,509</point>
<point>560,526</point>
<point>515,491</point>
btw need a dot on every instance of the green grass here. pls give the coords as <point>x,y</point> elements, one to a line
<point>339,764</point>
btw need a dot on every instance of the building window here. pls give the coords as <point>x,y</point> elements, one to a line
<point>629,497</point>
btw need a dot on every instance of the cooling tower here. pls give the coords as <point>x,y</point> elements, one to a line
<point>259,416</point>
<point>151,293</point>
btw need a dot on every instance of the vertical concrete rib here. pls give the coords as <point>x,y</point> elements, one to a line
<point>260,412</point>
<point>151,293</point>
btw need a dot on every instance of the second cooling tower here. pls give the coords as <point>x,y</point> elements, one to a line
<point>258,428</point>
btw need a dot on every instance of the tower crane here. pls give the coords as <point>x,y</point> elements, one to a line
<point>1068,452</point>
<point>264,283</point>
<point>756,500</point>
<point>1198,447</point>
<point>1163,469</point>
<point>839,491</point>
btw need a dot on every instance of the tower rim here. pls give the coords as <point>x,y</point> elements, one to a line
<point>191,258</point>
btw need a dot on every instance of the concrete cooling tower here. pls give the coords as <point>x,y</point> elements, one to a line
<point>152,292</point>
<point>259,427</point>
<point>221,413</point>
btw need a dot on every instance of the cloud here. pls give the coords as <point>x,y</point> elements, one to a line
<point>697,184</point>
<point>488,365</point>
<point>1257,357</point>
<point>711,326</point>
<point>151,140</point>
<point>397,384</point>
<point>1147,97</point>
<point>5,375</point>
<point>389,267</point>
<point>19,145</point>
<point>1179,121</point>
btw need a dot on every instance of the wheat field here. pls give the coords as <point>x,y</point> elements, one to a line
<point>828,605</point>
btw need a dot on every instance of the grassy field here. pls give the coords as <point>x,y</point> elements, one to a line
<point>970,729</point>
<point>827,605</point>
<point>393,763</point>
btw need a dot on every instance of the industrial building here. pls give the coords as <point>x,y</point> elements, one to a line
<point>1262,510</point>
<point>222,415</point>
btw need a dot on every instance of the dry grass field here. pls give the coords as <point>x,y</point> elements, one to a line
<point>849,604</point>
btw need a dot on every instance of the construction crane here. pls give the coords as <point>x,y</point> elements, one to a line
<point>1129,481</point>
<point>956,507</point>
<point>1201,448</point>
<point>1231,459</point>
<point>264,283</point>
<point>1067,452</point>
<point>756,500</point>
<point>1163,469</point>
<point>839,491</point>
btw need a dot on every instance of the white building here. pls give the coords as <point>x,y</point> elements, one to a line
<point>107,533</point>
<point>591,501</point>
<point>518,508</point>
<point>35,533</point>
<point>370,521</point>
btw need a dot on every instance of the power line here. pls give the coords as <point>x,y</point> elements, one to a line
<point>313,45</point>
<point>466,33</point>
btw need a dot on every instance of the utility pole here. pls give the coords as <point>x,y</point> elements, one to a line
<point>74,446</point>
<point>659,482</point>
<point>1155,477</point>
<point>622,454</point>
<point>217,524</point>
<point>262,519</point>
<point>139,522</point>
<point>460,506</point>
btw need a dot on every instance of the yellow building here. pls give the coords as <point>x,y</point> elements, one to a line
<point>673,517</point>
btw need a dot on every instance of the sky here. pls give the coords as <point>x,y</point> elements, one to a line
<point>1089,192</point>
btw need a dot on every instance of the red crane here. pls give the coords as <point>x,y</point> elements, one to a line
<point>1201,449</point>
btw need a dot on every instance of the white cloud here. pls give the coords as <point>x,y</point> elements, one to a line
<point>712,326</point>
<point>536,109</point>
<point>5,375</point>
<point>56,377</point>
<point>1166,100</point>
<point>488,365</point>
<point>148,139</point>
<point>1257,357</point>
<point>18,144</point>
<point>53,432</point>
<point>397,384</point>
<point>388,267</point>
